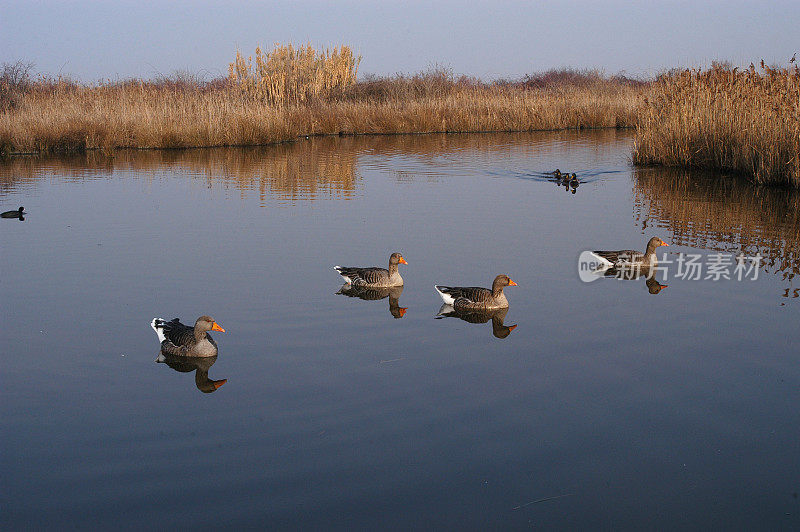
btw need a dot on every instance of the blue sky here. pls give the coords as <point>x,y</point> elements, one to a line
<point>97,40</point>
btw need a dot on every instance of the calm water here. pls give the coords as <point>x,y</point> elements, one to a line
<point>608,406</point>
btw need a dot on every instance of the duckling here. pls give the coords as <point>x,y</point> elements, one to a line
<point>557,174</point>
<point>574,182</point>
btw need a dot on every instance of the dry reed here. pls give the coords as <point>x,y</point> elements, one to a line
<point>294,92</point>
<point>723,118</point>
<point>289,75</point>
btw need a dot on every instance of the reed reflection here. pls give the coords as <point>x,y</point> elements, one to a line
<point>723,214</point>
<point>497,316</point>
<point>200,366</point>
<point>376,294</point>
<point>309,169</point>
<point>304,170</point>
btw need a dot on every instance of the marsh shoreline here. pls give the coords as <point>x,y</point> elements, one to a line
<point>735,122</point>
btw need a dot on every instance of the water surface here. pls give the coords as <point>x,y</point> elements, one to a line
<point>607,406</point>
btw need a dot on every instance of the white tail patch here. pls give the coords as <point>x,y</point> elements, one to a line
<point>447,298</point>
<point>602,260</point>
<point>339,271</point>
<point>159,331</point>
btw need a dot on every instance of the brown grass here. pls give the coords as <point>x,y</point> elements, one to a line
<point>293,92</point>
<point>722,118</point>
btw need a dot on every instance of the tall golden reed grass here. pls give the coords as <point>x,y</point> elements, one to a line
<point>289,75</point>
<point>746,121</point>
<point>293,92</point>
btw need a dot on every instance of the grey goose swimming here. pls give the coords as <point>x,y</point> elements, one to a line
<point>182,340</point>
<point>374,277</point>
<point>629,257</point>
<point>473,297</point>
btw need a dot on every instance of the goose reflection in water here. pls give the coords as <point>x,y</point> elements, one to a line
<point>499,329</point>
<point>200,366</point>
<point>634,273</point>
<point>375,294</point>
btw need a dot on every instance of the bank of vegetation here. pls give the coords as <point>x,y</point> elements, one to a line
<point>290,92</point>
<point>738,121</point>
<point>742,121</point>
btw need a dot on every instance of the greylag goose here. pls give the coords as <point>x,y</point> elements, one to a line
<point>374,277</point>
<point>473,297</point>
<point>200,366</point>
<point>499,329</point>
<point>181,340</point>
<point>375,294</point>
<point>13,214</point>
<point>628,257</point>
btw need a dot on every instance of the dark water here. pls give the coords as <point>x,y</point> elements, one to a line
<point>608,406</point>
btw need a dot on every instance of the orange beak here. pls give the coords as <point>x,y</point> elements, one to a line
<point>219,383</point>
<point>663,286</point>
<point>402,311</point>
<point>511,328</point>
<point>664,244</point>
<point>403,261</point>
<point>511,283</point>
<point>216,327</point>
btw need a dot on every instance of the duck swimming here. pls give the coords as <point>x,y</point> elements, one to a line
<point>13,214</point>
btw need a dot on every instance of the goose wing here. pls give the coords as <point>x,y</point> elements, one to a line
<point>177,333</point>
<point>625,256</point>
<point>459,295</point>
<point>362,276</point>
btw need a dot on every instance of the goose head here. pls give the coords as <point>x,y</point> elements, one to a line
<point>653,243</point>
<point>396,258</point>
<point>207,323</point>
<point>500,282</point>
